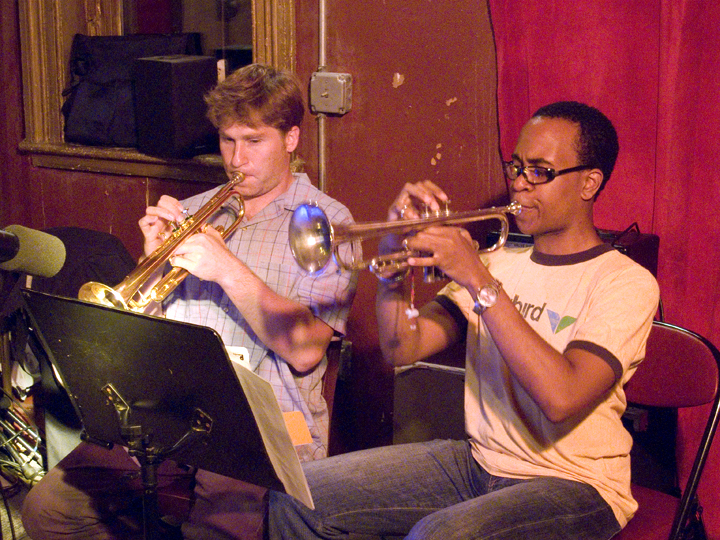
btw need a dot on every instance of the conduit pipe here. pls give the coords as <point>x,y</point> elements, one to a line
<point>321,117</point>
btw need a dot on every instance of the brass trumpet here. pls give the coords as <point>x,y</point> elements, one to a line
<point>314,240</point>
<point>128,294</point>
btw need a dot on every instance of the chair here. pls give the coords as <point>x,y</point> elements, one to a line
<point>680,371</point>
<point>338,355</point>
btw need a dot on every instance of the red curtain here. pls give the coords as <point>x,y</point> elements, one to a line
<point>653,67</point>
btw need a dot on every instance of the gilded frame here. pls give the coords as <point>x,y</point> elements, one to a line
<point>47,28</point>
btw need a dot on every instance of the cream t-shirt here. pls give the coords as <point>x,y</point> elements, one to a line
<point>599,300</point>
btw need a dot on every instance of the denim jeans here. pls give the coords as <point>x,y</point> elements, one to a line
<point>435,490</point>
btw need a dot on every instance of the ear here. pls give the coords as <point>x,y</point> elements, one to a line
<point>292,138</point>
<point>593,181</point>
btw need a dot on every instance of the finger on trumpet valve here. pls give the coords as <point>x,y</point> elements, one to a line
<point>177,223</point>
<point>443,210</point>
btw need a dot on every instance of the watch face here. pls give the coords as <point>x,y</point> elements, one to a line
<point>487,296</point>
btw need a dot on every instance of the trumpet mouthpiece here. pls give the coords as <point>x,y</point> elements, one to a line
<point>514,208</point>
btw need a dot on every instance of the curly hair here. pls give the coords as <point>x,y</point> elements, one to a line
<point>597,143</point>
<point>255,95</point>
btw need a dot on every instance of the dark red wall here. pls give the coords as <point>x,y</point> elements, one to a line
<point>439,124</point>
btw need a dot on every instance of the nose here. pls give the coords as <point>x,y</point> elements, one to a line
<point>520,183</point>
<point>239,157</point>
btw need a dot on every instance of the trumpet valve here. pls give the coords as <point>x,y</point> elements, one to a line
<point>442,211</point>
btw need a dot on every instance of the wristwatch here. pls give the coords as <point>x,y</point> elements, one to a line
<point>487,296</point>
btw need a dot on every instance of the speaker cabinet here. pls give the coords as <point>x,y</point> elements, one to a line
<point>169,105</point>
<point>642,248</point>
<point>428,403</point>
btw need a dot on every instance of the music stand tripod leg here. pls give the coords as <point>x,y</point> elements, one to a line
<point>149,462</point>
<point>150,458</point>
<point>139,446</point>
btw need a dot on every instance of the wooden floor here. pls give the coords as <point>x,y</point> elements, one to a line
<point>12,528</point>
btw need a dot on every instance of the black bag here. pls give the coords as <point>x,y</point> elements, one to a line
<point>99,103</point>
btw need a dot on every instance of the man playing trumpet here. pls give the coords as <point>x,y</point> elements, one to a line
<point>250,291</point>
<point>547,456</point>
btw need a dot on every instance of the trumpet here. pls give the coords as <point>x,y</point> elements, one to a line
<point>314,240</point>
<point>128,294</point>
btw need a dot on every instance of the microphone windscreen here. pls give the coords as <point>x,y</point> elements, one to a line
<point>40,254</point>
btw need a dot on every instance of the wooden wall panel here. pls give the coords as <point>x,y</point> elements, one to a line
<point>423,107</point>
<point>101,202</point>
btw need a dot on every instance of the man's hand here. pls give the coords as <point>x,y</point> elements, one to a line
<point>158,222</point>
<point>410,203</point>
<point>451,249</point>
<point>414,198</point>
<point>205,255</point>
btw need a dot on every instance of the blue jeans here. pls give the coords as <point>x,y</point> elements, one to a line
<point>435,490</point>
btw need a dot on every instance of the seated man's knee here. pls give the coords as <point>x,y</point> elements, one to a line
<point>39,507</point>
<point>55,509</point>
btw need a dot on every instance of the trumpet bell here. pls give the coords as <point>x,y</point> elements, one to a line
<point>311,237</point>
<point>99,293</point>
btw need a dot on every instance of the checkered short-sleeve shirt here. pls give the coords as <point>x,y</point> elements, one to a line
<point>262,244</point>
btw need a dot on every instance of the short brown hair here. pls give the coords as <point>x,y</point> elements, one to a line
<point>257,94</point>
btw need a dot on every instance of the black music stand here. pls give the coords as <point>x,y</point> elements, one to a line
<point>163,389</point>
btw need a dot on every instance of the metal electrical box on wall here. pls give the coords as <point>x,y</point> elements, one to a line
<point>330,93</point>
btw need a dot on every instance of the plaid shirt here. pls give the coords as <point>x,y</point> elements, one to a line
<point>262,244</point>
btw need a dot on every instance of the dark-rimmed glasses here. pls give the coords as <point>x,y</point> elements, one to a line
<point>537,175</point>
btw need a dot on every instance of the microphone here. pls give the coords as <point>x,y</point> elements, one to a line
<point>30,251</point>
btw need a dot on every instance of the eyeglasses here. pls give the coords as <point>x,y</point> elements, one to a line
<point>537,175</point>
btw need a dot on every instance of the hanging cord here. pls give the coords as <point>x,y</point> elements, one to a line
<point>412,312</point>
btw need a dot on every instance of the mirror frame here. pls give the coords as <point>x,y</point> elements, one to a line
<point>47,28</point>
